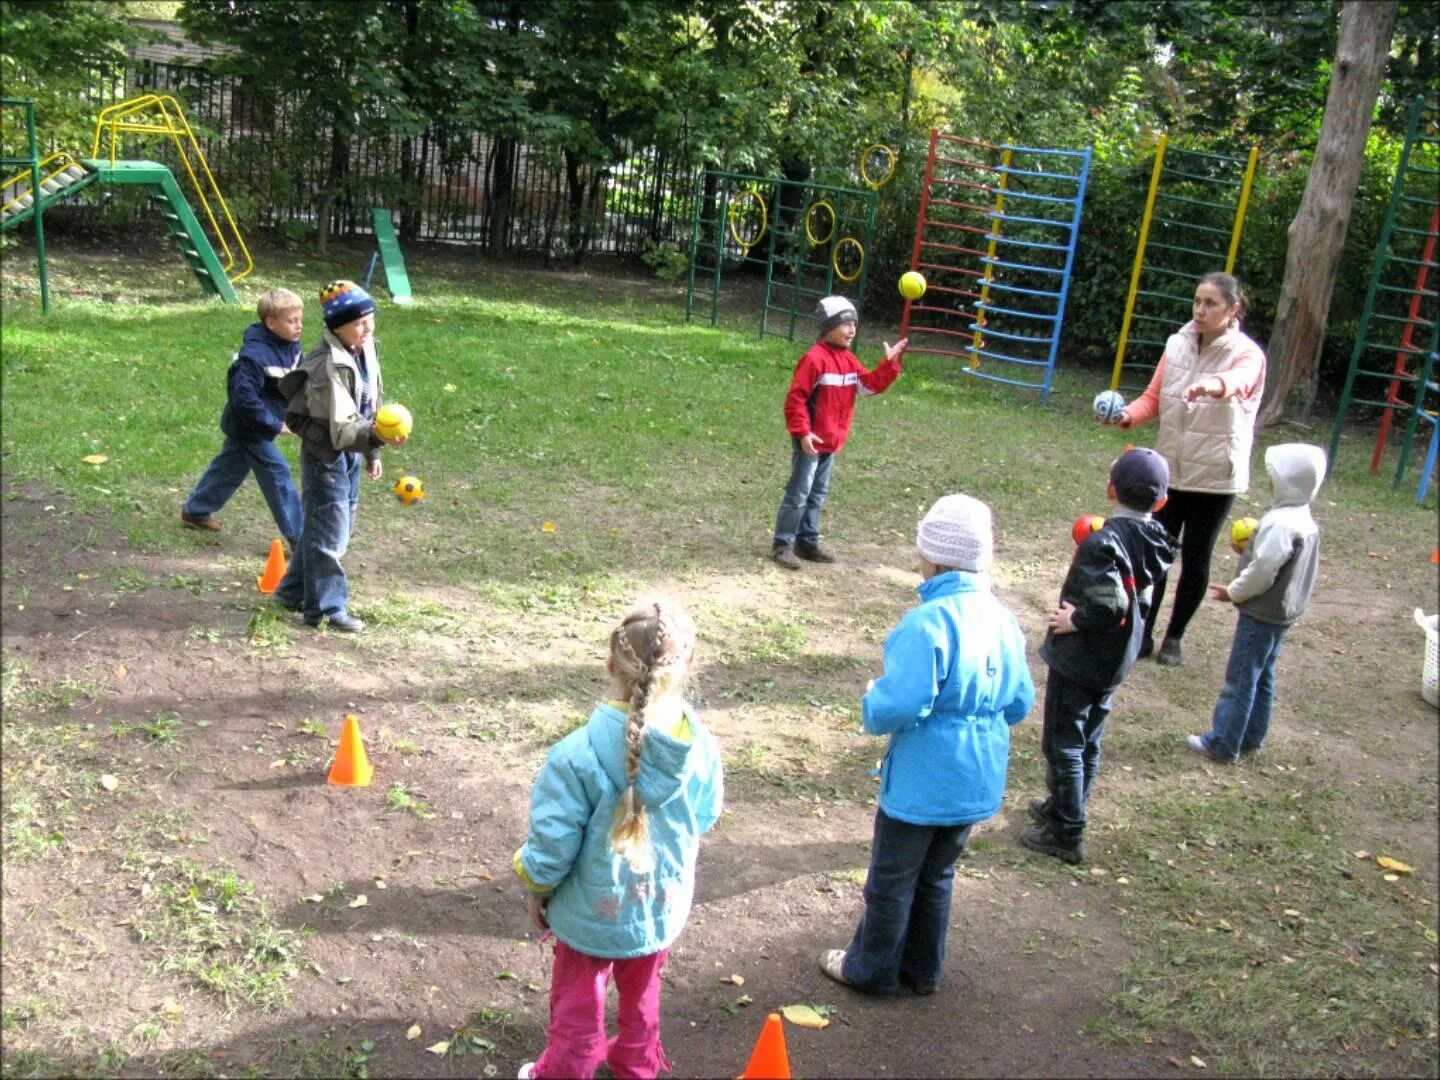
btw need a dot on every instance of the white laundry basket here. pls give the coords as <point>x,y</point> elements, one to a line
<point>1430,679</point>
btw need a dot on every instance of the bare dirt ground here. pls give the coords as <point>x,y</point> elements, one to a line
<point>442,941</point>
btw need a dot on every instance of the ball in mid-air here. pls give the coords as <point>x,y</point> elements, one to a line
<point>1084,525</point>
<point>409,490</point>
<point>1242,530</point>
<point>393,422</point>
<point>1108,405</point>
<point>912,285</point>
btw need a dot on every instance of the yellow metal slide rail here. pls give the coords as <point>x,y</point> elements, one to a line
<point>160,114</point>
<point>50,168</point>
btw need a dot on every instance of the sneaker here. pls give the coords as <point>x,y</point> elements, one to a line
<point>1047,843</point>
<point>1169,653</point>
<point>190,521</point>
<point>814,553</point>
<point>344,622</point>
<point>1040,811</point>
<point>527,1071</point>
<point>832,963</point>
<point>1198,744</point>
<point>784,555</point>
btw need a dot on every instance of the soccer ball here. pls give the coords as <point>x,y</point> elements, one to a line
<point>409,490</point>
<point>1084,525</point>
<point>393,422</point>
<point>912,285</point>
<point>1108,405</point>
<point>1242,530</point>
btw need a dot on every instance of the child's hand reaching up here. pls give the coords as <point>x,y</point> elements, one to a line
<point>1059,619</point>
<point>894,352</point>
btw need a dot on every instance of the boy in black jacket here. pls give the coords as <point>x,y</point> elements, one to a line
<point>1094,640</point>
<point>254,414</point>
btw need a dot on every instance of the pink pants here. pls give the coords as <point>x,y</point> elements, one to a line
<point>576,1039</point>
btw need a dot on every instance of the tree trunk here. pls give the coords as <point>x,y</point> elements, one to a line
<point>1317,234</point>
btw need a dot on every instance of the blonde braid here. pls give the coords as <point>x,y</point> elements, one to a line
<point>666,650</point>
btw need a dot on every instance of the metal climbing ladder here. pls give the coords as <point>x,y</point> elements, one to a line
<point>1395,364</point>
<point>995,238</point>
<point>1194,216</point>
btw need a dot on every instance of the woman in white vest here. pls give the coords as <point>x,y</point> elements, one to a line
<point>1206,393</point>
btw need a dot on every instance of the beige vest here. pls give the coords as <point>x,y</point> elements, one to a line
<point>1207,442</point>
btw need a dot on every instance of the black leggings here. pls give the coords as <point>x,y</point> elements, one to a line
<point>1194,519</point>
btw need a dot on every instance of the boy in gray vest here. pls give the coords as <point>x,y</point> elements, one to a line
<point>1276,578</point>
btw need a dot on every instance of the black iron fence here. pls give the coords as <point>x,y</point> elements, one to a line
<point>273,158</point>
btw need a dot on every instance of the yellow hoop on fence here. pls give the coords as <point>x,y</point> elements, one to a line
<point>890,159</point>
<point>816,241</point>
<point>841,245</point>
<point>733,215</point>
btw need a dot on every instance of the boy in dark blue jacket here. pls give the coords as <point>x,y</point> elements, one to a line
<point>1094,640</point>
<point>254,414</point>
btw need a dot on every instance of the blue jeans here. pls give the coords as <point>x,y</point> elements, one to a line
<point>314,583</point>
<point>1070,740</point>
<point>901,936</point>
<point>798,521</point>
<point>236,460</point>
<point>1242,714</point>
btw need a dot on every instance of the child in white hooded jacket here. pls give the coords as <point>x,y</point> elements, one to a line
<point>1276,577</point>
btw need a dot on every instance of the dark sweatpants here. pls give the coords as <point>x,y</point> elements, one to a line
<point>1193,519</point>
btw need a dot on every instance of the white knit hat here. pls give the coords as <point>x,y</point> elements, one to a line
<point>957,533</point>
<point>831,311</point>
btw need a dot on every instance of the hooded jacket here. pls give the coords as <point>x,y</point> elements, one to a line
<point>600,906</point>
<point>955,681</point>
<point>1278,569</point>
<point>1111,583</point>
<point>254,405</point>
<point>322,397</point>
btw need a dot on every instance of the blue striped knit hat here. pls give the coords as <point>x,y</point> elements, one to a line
<point>343,302</point>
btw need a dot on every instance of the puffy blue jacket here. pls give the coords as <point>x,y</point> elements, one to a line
<point>955,680</point>
<point>600,906</point>
<point>254,406</point>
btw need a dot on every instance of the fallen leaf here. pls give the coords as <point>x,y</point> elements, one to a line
<point>505,976</point>
<point>744,999</point>
<point>735,980</point>
<point>121,671</point>
<point>380,883</point>
<point>315,898</point>
<point>1362,854</point>
<point>278,763</point>
<point>1392,877</point>
<point>1197,1062</point>
<point>549,526</point>
<point>359,901</point>
<point>804,1016</point>
<point>1176,1062</point>
<point>95,459</point>
<point>1387,863</point>
<point>441,1048</point>
<point>413,1032</point>
<point>109,782</point>
<point>450,388</point>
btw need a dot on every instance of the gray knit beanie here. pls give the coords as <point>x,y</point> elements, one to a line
<point>832,311</point>
<point>957,533</point>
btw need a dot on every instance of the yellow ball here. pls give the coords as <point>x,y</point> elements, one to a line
<point>393,422</point>
<point>409,490</point>
<point>912,285</point>
<point>1242,530</point>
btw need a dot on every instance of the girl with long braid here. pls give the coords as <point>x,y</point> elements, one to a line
<point>615,821</point>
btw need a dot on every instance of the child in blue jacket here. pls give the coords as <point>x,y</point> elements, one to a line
<point>254,415</point>
<point>615,821</point>
<point>955,681</point>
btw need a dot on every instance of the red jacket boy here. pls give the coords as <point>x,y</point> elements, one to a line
<point>818,409</point>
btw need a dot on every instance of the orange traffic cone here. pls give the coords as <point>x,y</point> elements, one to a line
<point>769,1061</point>
<point>351,768</point>
<point>275,567</point>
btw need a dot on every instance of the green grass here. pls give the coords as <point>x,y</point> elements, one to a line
<point>653,451</point>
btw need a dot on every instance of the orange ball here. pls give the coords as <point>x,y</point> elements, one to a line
<point>1084,525</point>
